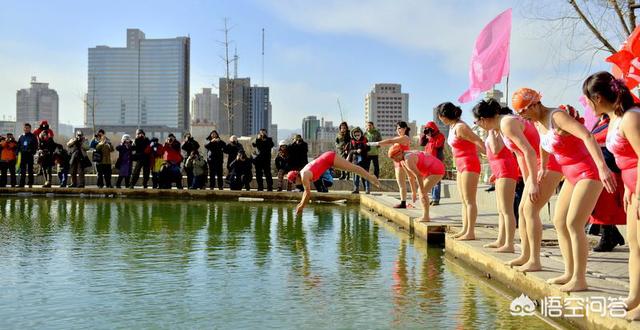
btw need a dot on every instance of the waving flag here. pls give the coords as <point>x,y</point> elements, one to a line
<point>626,61</point>
<point>490,59</point>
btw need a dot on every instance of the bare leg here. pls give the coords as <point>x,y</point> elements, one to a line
<point>506,193</point>
<point>534,227</point>
<point>429,183</point>
<point>401,178</point>
<point>633,301</point>
<point>470,188</point>
<point>343,164</point>
<point>522,231</point>
<point>464,207</point>
<point>564,240</point>
<point>583,200</point>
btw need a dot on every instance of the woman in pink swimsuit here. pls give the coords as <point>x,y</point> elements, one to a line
<point>504,167</point>
<point>464,145</point>
<point>422,168</point>
<point>582,163</point>
<point>521,137</point>
<point>610,96</point>
<point>314,170</point>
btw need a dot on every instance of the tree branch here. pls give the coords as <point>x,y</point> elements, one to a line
<point>632,14</point>
<point>591,27</point>
<point>616,7</point>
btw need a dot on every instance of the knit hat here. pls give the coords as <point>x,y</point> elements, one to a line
<point>125,137</point>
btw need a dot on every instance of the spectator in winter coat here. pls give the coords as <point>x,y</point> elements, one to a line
<point>46,147</point>
<point>232,149</point>
<point>198,166</point>
<point>433,142</point>
<point>342,142</point>
<point>27,147</point>
<point>61,160</point>
<point>44,127</point>
<point>141,156</point>
<point>104,149</point>
<point>78,161</point>
<point>8,159</point>
<point>157,151</point>
<point>262,147</point>
<point>171,172</point>
<point>124,164</point>
<point>357,154</point>
<point>215,157</point>
<point>282,166</point>
<point>188,146</point>
<point>240,174</point>
<point>373,135</point>
<point>298,153</point>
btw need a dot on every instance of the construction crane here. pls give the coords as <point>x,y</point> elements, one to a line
<point>340,108</point>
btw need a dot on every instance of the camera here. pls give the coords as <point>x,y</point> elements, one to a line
<point>427,131</point>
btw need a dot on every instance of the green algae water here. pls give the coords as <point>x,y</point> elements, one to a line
<point>115,263</point>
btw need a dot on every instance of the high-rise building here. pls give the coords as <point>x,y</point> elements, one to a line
<point>260,112</point>
<point>145,84</point>
<point>496,95</point>
<point>234,106</point>
<point>385,105</point>
<point>35,104</point>
<point>310,126</point>
<point>204,107</point>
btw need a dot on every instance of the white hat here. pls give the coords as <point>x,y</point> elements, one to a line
<point>282,143</point>
<point>125,137</point>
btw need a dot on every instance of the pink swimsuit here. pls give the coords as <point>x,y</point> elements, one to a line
<point>464,152</point>
<point>320,165</point>
<point>532,136</point>
<point>625,156</point>
<point>427,164</point>
<point>571,153</point>
<point>503,164</point>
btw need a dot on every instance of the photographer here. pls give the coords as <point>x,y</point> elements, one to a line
<point>189,145</point>
<point>79,159</point>
<point>373,135</point>
<point>262,160</point>
<point>8,160</point>
<point>157,151</point>
<point>172,159</point>
<point>46,148</point>
<point>433,142</point>
<point>215,157</point>
<point>102,157</point>
<point>140,155</point>
<point>27,146</point>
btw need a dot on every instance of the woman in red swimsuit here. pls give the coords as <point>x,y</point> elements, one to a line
<point>521,137</point>
<point>607,95</point>
<point>422,168</point>
<point>314,170</point>
<point>582,163</point>
<point>505,170</point>
<point>404,140</point>
<point>464,145</point>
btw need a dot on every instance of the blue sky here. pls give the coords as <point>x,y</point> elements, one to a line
<point>316,51</point>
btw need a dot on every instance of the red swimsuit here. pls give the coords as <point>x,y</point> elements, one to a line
<point>464,152</point>
<point>571,153</point>
<point>626,157</point>
<point>428,165</point>
<point>320,165</point>
<point>503,164</point>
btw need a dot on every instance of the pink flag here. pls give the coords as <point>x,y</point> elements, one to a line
<point>590,118</point>
<point>490,59</point>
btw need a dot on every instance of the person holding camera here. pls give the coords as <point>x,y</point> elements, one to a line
<point>46,148</point>
<point>157,151</point>
<point>215,158</point>
<point>140,155</point>
<point>189,145</point>
<point>373,135</point>
<point>298,153</point>
<point>433,142</point>
<point>103,161</point>
<point>79,160</point>
<point>8,159</point>
<point>27,147</point>
<point>172,159</point>
<point>240,174</point>
<point>262,147</point>
<point>124,164</point>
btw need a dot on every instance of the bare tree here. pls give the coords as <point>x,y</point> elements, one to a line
<point>229,103</point>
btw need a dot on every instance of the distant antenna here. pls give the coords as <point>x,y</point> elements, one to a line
<point>263,57</point>
<point>340,108</point>
<point>235,64</point>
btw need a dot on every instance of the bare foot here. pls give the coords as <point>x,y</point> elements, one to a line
<point>460,233</point>
<point>493,245</point>
<point>574,285</point>
<point>633,314</point>
<point>424,220</point>
<point>562,279</point>
<point>519,261</point>
<point>530,267</point>
<point>631,303</point>
<point>506,249</point>
<point>467,237</point>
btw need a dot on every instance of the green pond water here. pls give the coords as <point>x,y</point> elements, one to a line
<point>115,263</point>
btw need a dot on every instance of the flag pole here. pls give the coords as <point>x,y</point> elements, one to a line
<point>507,91</point>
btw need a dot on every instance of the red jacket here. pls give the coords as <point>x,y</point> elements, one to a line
<point>172,152</point>
<point>435,144</point>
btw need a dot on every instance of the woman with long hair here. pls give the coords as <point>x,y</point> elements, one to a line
<point>575,149</point>
<point>504,168</point>
<point>404,141</point>
<point>464,146</point>
<point>608,95</point>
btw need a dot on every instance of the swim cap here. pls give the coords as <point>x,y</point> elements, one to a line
<point>395,150</point>
<point>524,97</point>
<point>292,175</point>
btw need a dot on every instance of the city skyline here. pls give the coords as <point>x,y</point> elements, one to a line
<point>309,60</point>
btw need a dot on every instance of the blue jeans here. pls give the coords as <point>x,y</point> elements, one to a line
<point>356,181</point>
<point>435,192</point>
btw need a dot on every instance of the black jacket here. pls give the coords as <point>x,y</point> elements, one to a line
<point>190,145</point>
<point>263,149</point>
<point>232,149</point>
<point>240,168</point>
<point>215,150</point>
<point>298,153</point>
<point>28,144</point>
<point>140,149</point>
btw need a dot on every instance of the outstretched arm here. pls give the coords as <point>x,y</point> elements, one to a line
<point>306,195</point>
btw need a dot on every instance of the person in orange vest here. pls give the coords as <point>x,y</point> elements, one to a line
<point>8,160</point>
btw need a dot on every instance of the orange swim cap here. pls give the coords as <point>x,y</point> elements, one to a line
<point>524,97</point>
<point>292,175</point>
<point>395,150</point>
